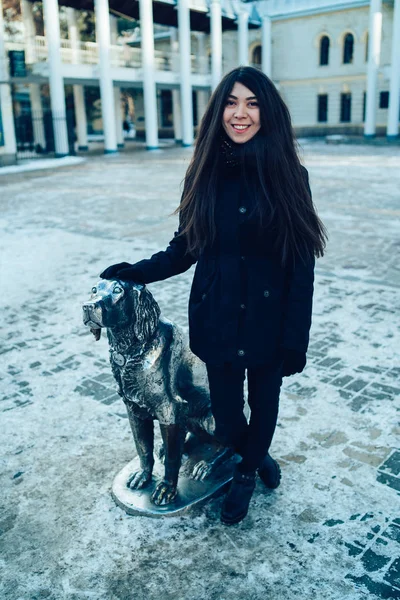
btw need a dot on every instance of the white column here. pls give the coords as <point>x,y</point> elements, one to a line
<point>266,46</point>
<point>216,43</point>
<point>202,61</point>
<point>34,89</point>
<point>115,55</point>
<point>29,30</point>
<point>177,116</point>
<point>374,55</point>
<point>56,81</point>
<point>80,117</point>
<point>176,96</point>
<point>149,85</point>
<point>185,72</point>
<point>203,97</point>
<point>243,38</point>
<point>394,94</point>
<point>35,96</point>
<point>73,34</point>
<point>78,90</point>
<point>8,147</point>
<point>118,117</point>
<point>202,58</point>
<point>113,29</point>
<point>106,84</point>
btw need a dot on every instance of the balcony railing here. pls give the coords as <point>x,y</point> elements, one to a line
<point>86,53</point>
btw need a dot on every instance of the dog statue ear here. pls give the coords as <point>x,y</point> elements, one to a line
<point>147,314</point>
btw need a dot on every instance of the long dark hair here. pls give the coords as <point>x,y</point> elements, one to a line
<point>285,199</point>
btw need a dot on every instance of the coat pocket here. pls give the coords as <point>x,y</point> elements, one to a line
<point>203,281</point>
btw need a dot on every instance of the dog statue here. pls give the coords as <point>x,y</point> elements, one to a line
<point>158,378</point>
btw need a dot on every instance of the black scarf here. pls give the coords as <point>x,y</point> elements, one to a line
<point>241,157</point>
<point>230,152</point>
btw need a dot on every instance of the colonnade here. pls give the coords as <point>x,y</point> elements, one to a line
<point>110,98</point>
<point>181,39</point>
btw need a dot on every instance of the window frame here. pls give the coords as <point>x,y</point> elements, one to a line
<point>320,108</point>
<point>343,95</point>
<point>323,52</point>
<point>348,59</point>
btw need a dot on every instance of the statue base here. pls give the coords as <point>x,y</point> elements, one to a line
<point>190,491</point>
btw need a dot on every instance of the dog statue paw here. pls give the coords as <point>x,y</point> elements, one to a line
<point>158,378</point>
<point>139,480</point>
<point>165,493</point>
<point>201,470</point>
<point>205,468</point>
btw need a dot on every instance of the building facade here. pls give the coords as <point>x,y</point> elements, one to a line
<point>335,62</point>
<point>320,64</point>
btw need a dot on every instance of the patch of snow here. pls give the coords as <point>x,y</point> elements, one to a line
<point>39,164</point>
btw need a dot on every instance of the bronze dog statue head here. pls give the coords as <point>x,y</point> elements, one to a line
<point>121,304</point>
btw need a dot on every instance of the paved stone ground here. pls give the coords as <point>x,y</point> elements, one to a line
<point>332,529</point>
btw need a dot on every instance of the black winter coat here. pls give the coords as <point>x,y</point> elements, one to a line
<point>244,307</point>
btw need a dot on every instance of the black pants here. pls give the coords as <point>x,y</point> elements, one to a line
<point>251,440</point>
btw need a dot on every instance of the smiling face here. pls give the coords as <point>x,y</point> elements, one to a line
<point>241,117</point>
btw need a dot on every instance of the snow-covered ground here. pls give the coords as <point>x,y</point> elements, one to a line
<point>331,531</point>
<point>41,164</point>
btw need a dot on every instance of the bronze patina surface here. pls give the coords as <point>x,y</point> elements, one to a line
<point>158,378</point>
<point>190,492</point>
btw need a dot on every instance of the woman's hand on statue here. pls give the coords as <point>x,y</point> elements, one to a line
<point>293,362</point>
<point>116,271</point>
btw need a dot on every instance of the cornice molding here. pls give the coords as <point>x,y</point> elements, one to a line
<point>280,9</point>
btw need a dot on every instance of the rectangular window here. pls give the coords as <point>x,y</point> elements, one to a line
<point>345,108</point>
<point>384,100</point>
<point>322,108</point>
<point>364,105</point>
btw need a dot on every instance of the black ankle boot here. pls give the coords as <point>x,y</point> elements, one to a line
<point>270,472</point>
<point>237,500</point>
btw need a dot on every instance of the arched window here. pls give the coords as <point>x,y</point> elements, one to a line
<point>257,57</point>
<point>324,50</point>
<point>348,48</point>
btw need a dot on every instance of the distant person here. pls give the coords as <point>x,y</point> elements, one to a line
<point>129,128</point>
<point>248,220</point>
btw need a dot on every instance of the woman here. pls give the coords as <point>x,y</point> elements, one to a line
<point>247,219</point>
